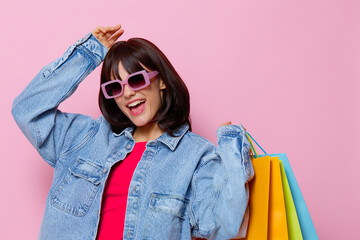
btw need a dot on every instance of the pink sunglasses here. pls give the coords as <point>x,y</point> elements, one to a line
<point>135,81</point>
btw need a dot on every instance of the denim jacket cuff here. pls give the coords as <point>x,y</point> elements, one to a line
<point>230,129</point>
<point>94,47</point>
<point>238,131</point>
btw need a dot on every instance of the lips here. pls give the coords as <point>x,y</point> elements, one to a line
<point>136,106</point>
<point>135,102</point>
<point>138,109</point>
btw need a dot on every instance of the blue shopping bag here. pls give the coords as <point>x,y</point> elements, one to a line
<point>307,227</point>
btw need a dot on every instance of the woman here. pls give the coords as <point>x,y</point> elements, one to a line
<point>137,171</point>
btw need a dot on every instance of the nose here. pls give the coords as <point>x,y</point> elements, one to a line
<point>128,92</point>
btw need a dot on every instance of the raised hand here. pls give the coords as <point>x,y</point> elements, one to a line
<point>108,35</point>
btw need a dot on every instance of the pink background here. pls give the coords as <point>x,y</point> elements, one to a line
<point>287,70</point>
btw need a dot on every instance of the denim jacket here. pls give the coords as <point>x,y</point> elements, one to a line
<point>183,186</point>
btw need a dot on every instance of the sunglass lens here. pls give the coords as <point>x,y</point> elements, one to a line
<point>136,81</point>
<point>113,89</point>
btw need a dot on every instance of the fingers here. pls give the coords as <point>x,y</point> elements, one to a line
<point>112,33</point>
<point>108,35</point>
<point>106,31</point>
<point>115,36</point>
<point>225,123</point>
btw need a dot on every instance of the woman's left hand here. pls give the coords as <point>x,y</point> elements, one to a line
<point>225,123</point>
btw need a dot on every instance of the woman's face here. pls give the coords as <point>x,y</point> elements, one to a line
<point>149,99</point>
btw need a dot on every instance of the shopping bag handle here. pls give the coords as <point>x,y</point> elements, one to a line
<point>252,145</point>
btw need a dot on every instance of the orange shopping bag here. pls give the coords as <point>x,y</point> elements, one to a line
<point>266,203</point>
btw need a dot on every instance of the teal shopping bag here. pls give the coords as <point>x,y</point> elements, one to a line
<point>307,227</point>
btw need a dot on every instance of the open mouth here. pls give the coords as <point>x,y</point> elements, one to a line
<point>136,107</point>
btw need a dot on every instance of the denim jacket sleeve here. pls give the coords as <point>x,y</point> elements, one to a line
<point>221,190</point>
<point>52,132</point>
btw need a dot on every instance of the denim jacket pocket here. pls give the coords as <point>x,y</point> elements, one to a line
<point>165,209</point>
<point>77,190</point>
<point>173,204</point>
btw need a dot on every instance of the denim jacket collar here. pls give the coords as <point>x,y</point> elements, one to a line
<point>169,141</point>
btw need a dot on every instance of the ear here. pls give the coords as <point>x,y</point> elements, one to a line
<point>162,85</point>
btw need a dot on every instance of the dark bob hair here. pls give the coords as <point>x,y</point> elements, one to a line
<point>175,109</point>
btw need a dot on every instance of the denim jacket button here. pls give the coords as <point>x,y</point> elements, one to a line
<point>104,170</point>
<point>128,146</point>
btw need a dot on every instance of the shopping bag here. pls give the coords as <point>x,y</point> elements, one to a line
<point>277,214</point>
<point>306,225</point>
<point>291,216</point>
<point>266,201</point>
<point>259,189</point>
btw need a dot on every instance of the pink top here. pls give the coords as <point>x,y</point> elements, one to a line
<point>113,205</point>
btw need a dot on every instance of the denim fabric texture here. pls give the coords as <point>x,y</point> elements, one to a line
<point>183,186</point>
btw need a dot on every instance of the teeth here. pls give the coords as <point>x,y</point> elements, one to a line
<point>133,104</point>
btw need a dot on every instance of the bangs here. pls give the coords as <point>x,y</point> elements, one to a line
<point>129,58</point>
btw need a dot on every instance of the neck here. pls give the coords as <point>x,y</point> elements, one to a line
<point>148,132</point>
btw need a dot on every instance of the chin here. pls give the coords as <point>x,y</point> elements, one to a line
<point>140,123</point>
